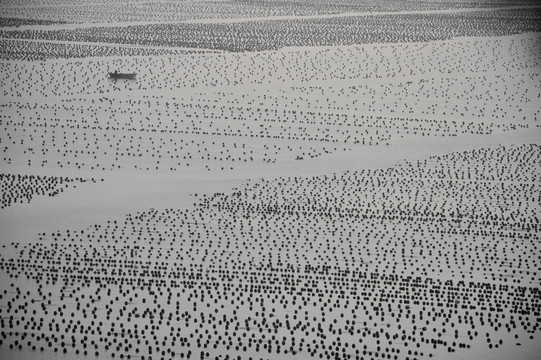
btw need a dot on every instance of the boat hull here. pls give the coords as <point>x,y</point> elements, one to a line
<point>122,75</point>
